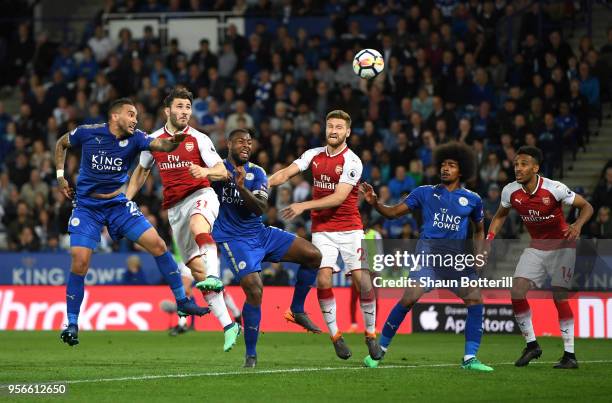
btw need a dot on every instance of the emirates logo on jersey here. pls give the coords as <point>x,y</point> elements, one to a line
<point>189,146</point>
<point>338,169</point>
<point>546,200</point>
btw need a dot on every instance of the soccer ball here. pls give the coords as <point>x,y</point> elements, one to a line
<point>368,63</point>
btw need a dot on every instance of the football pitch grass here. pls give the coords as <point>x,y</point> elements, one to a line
<point>138,366</point>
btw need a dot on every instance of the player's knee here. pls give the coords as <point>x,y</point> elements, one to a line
<point>158,247</point>
<point>313,258</point>
<point>324,278</point>
<point>254,294</point>
<point>80,263</point>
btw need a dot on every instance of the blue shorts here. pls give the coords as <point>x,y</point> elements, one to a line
<point>244,256</point>
<point>121,216</point>
<point>449,276</point>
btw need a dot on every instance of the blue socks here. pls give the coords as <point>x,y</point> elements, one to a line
<point>393,322</point>
<point>251,315</point>
<point>306,278</point>
<point>75,290</point>
<point>473,330</point>
<point>169,269</point>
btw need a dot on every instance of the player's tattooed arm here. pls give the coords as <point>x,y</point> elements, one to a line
<point>586,211</point>
<point>371,198</point>
<point>137,179</point>
<point>256,203</point>
<point>167,145</point>
<point>283,175</point>
<point>63,143</point>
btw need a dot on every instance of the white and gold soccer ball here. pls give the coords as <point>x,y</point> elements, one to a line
<point>368,63</point>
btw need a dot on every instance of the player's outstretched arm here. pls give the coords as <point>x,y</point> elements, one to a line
<point>330,201</point>
<point>586,211</point>
<point>256,203</point>
<point>217,173</point>
<point>63,143</point>
<point>497,221</point>
<point>283,175</point>
<point>371,198</point>
<point>167,145</point>
<point>138,178</point>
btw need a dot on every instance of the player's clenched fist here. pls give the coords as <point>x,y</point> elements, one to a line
<point>65,188</point>
<point>239,176</point>
<point>198,172</point>
<point>368,193</point>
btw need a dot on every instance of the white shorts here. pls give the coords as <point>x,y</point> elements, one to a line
<point>347,244</point>
<point>537,264</point>
<point>204,202</point>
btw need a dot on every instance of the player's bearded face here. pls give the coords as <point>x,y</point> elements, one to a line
<point>179,113</point>
<point>524,168</point>
<point>240,147</point>
<point>126,119</point>
<point>449,171</point>
<point>336,131</point>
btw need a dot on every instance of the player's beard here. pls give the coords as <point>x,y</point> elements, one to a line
<point>238,159</point>
<point>125,128</point>
<point>337,141</point>
<point>175,122</point>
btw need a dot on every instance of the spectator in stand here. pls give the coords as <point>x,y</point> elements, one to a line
<point>601,228</point>
<point>134,274</point>
<point>602,195</point>
<point>401,184</point>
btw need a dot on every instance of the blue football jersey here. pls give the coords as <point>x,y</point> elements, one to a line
<point>105,160</point>
<point>446,215</point>
<point>235,219</point>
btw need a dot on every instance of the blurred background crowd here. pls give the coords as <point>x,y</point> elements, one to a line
<point>447,77</point>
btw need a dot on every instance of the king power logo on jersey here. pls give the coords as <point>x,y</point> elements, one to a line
<point>231,195</point>
<point>103,162</point>
<point>324,183</point>
<point>443,220</point>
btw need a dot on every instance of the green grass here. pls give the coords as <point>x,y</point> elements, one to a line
<point>28,357</point>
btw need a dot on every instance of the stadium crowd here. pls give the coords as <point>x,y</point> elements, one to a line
<point>446,78</point>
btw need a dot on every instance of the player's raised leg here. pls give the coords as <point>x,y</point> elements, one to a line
<point>152,243</point>
<point>522,314</point>
<point>309,257</point>
<point>216,303</point>
<point>251,315</point>
<point>394,320</point>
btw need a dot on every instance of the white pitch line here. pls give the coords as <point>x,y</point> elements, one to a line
<point>280,371</point>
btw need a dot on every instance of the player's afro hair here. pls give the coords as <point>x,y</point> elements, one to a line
<point>460,152</point>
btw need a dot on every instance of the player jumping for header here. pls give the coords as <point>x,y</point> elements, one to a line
<point>108,151</point>
<point>336,227</point>
<point>192,204</point>
<point>245,242</point>
<point>552,252</point>
<point>441,204</point>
